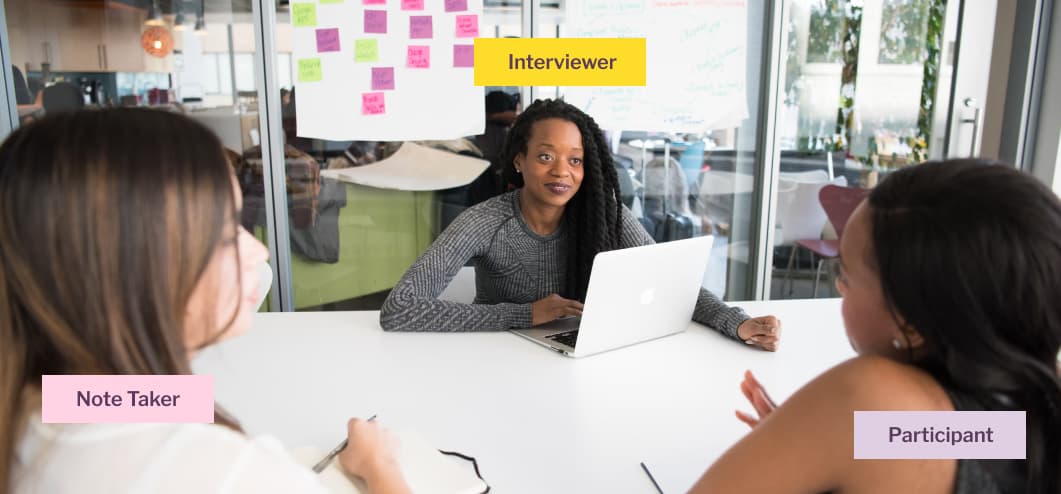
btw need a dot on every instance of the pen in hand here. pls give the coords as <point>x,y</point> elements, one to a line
<point>321,465</point>
<point>650,477</point>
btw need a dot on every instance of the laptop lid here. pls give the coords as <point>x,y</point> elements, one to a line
<point>642,293</point>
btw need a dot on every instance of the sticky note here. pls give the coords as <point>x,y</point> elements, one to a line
<point>366,50</point>
<point>327,40</point>
<point>303,14</point>
<point>376,21</point>
<point>418,57</point>
<point>382,78</point>
<point>373,2</point>
<point>456,5</point>
<point>372,104</point>
<point>467,26</point>
<point>420,27</point>
<point>463,55</point>
<point>412,4</point>
<point>309,70</point>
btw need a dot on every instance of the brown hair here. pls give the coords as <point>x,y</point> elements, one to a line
<point>108,219</point>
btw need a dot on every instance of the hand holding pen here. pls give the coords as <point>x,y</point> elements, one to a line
<point>369,452</point>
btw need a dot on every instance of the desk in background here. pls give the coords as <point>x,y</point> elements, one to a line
<point>538,422</point>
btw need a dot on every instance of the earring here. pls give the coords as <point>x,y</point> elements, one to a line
<point>897,344</point>
<point>518,170</point>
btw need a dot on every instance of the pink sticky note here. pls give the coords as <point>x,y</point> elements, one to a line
<point>382,78</point>
<point>412,4</point>
<point>456,5</point>
<point>463,55</point>
<point>373,2</point>
<point>327,40</point>
<point>467,26</point>
<point>420,26</point>
<point>418,57</point>
<point>372,104</point>
<point>376,21</point>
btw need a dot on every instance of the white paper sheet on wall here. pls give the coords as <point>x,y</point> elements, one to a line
<point>696,56</point>
<point>391,70</point>
<point>414,167</point>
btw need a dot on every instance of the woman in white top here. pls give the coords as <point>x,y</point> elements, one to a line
<point>121,253</point>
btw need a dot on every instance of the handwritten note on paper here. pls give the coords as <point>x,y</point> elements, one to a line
<point>420,27</point>
<point>366,50</point>
<point>382,78</point>
<point>303,14</point>
<point>372,104</point>
<point>418,57</point>
<point>456,5</point>
<point>376,21</point>
<point>412,4</point>
<point>309,70</point>
<point>463,55</point>
<point>327,40</point>
<point>467,26</point>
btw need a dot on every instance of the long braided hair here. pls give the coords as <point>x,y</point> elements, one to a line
<point>593,217</point>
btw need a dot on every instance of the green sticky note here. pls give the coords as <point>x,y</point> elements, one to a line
<point>303,14</point>
<point>366,50</point>
<point>309,70</point>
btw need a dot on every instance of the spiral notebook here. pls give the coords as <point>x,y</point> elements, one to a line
<point>425,469</point>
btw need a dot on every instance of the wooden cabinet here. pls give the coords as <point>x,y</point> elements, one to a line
<point>79,37</point>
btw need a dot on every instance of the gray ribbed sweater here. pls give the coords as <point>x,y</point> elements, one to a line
<point>514,267</point>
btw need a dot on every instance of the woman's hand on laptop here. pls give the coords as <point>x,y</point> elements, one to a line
<point>756,394</point>
<point>763,332</point>
<point>554,307</point>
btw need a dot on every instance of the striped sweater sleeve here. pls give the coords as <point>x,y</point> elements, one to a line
<point>710,310</point>
<point>413,303</point>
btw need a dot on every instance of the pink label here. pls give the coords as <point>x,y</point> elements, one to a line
<point>463,56</point>
<point>412,4</point>
<point>372,104</point>
<point>376,21</point>
<point>940,435</point>
<point>382,78</point>
<point>420,26</point>
<point>327,40</point>
<point>467,26</point>
<point>418,57</point>
<point>89,399</point>
<point>456,5</point>
<point>373,2</point>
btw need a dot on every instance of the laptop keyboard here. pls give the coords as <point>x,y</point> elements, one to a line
<point>568,337</point>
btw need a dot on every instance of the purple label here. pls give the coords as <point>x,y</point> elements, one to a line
<point>382,78</point>
<point>327,40</point>
<point>420,27</point>
<point>463,56</point>
<point>456,5</point>
<point>940,435</point>
<point>376,21</point>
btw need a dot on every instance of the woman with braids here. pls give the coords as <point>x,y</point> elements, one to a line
<point>121,252</point>
<point>533,247</point>
<point>950,274</point>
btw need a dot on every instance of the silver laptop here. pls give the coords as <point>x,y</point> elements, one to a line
<point>634,295</point>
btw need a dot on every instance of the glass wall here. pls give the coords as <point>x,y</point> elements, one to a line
<point>866,89</point>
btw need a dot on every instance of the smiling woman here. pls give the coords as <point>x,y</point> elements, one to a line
<point>533,247</point>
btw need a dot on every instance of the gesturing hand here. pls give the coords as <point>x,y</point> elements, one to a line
<point>761,401</point>
<point>553,307</point>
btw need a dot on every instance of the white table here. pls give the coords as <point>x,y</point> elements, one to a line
<point>538,422</point>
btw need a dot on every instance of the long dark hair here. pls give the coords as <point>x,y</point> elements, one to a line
<point>969,255</point>
<point>108,219</point>
<point>593,217</point>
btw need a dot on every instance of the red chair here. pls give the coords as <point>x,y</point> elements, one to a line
<point>838,203</point>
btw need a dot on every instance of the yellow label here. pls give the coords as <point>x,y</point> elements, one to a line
<point>560,62</point>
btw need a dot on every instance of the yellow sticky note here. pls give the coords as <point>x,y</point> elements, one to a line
<point>366,50</point>
<point>309,70</point>
<point>303,14</point>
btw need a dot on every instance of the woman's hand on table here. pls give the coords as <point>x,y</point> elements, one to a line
<point>756,394</point>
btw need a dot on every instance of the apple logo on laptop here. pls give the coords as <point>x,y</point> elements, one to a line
<point>648,296</point>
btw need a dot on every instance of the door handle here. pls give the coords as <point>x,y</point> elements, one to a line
<point>977,121</point>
